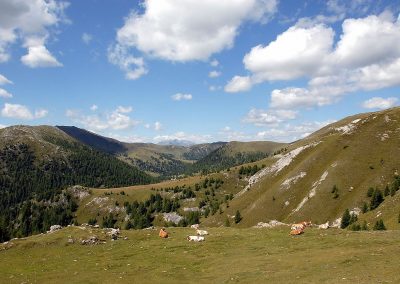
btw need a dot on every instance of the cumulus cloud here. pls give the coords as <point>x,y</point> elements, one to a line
<point>30,22</point>
<point>86,38</point>
<point>5,94</point>
<point>178,30</point>
<point>22,112</point>
<point>4,80</point>
<point>291,132</point>
<point>366,57</point>
<point>214,63</point>
<point>182,97</point>
<point>214,74</point>
<point>261,117</point>
<point>238,84</point>
<point>134,67</point>
<point>115,120</point>
<point>39,56</point>
<point>380,103</point>
<point>94,107</point>
<point>295,53</point>
<point>123,109</point>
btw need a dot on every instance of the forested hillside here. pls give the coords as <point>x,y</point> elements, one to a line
<point>36,164</point>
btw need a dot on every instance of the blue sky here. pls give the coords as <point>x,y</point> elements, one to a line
<point>197,70</point>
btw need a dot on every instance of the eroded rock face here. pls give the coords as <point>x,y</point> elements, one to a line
<point>54,228</point>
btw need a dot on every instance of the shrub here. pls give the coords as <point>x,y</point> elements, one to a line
<point>227,223</point>
<point>370,192</point>
<point>355,227</point>
<point>238,217</point>
<point>364,226</point>
<point>92,221</point>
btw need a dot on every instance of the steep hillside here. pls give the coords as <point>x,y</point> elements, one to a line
<point>36,163</point>
<point>317,178</point>
<point>93,140</point>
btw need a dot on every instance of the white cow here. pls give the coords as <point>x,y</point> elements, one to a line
<point>195,238</point>
<point>201,232</point>
<point>194,226</point>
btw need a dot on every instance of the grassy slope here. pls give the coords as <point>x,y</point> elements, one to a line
<point>358,160</point>
<point>227,255</point>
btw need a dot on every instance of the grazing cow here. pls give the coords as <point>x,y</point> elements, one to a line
<point>195,238</point>
<point>201,232</point>
<point>298,226</point>
<point>296,232</point>
<point>163,233</point>
<point>194,226</point>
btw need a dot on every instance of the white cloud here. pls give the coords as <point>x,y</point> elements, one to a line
<point>157,126</point>
<point>214,63</point>
<point>182,97</point>
<point>366,57</point>
<point>4,80</point>
<point>122,109</point>
<point>115,120</point>
<point>290,132</point>
<point>21,112</point>
<point>5,94</point>
<point>3,126</point>
<point>94,107</point>
<point>196,138</point>
<point>179,31</point>
<point>134,67</point>
<point>30,22</point>
<point>86,38</point>
<point>295,53</point>
<point>380,103</point>
<point>39,56</point>
<point>367,41</point>
<point>214,74</point>
<point>238,84</point>
<point>261,117</point>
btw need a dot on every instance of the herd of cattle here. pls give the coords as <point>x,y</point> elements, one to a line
<point>296,229</point>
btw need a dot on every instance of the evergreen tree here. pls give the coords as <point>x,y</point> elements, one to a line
<point>365,208</point>
<point>376,199</point>
<point>346,218</point>
<point>227,222</point>
<point>238,217</point>
<point>370,192</point>
<point>386,192</point>
<point>379,225</point>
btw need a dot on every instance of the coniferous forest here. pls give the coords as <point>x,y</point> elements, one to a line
<point>32,189</point>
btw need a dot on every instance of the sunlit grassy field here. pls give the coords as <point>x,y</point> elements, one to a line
<point>228,255</point>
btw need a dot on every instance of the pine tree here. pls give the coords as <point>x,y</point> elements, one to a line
<point>377,198</point>
<point>227,223</point>
<point>379,225</point>
<point>365,208</point>
<point>238,217</point>
<point>345,219</point>
<point>370,192</point>
<point>386,191</point>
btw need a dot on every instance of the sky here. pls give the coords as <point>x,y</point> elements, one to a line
<point>202,71</point>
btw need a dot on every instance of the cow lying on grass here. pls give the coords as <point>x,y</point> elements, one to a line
<point>201,232</point>
<point>195,238</point>
<point>298,229</point>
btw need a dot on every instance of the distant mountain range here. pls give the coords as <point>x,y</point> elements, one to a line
<point>176,157</point>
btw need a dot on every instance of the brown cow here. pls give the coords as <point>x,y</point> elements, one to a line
<point>163,233</point>
<point>296,232</point>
